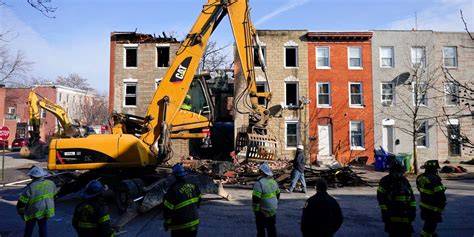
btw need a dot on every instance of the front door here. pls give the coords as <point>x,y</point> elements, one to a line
<point>387,139</point>
<point>324,138</point>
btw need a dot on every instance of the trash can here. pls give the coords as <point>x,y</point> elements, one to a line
<point>405,159</point>
<point>382,159</point>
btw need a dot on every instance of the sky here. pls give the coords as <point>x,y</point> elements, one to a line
<point>77,39</point>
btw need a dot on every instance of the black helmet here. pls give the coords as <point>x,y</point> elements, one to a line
<point>396,166</point>
<point>432,164</point>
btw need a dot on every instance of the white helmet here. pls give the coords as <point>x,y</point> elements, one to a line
<point>37,172</point>
<point>300,147</point>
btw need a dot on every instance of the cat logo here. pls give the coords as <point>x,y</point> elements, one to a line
<point>180,72</point>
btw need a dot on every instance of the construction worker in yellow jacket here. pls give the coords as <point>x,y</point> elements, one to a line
<point>36,202</point>
<point>91,218</point>
<point>265,202</point>
<point>187,103</point>
<point>432,197</point>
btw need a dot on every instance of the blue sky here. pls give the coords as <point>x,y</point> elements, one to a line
<point>77,40</point>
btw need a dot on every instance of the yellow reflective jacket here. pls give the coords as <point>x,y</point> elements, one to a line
<point>37,200</point>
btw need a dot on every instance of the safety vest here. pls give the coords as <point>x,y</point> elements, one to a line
<point>396,199</point>
<point>91,219</point>
<point>186,107</point>
<point>180,206</point>
<point>37,200</point>
<point>432,195</point>
<point>266,190</point>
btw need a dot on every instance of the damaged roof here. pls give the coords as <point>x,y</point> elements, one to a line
<point>134,37</point>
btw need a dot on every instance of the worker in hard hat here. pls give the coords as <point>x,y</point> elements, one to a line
<point>91,217</point>
<point>36,202</point>
<point>187,103</point>
<point>180,206</point>
<point>432,197</point>
<point>265,197</point>
<point>396,201</point>
<point>298,170</point>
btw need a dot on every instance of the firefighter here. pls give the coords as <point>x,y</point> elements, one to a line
<point>36,202</point>
<point>90,216</point>
<point>432,197</point>
<point>396,201</point>
<point>180,211</point>
<point>187,103</point>
<point>265,202</point>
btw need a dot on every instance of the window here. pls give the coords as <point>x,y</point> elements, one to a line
<point>421,90</point>
<point>131,56</point>
<point>422,133</point>
<point>157,82</point>
<point>322,57</point>
<point>355,57</point>
<point>355,94</point>
<point>43,113</point>
<point>418,57</point>
<point>60,97</point>
<point>450,57</point>
<point>261,87</point>
<point>291,89</point>
<point>130,94</point>
<point>67,98</point>
<point>451,93</point>
<point>454,136</point>
<point>323,91</point>
<point>291,56</point>
<point>386,57</point>
<point>387,94</point>
<point>357,135</point>
<point>291,134</point>
<point>256,58</point>
<point>12,110</point>
<point>162,56</point>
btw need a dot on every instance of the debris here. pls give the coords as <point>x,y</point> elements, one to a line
<point>469,162</point>
<point>453,169</point>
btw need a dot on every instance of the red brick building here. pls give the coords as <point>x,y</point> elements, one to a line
<point>340,90</point>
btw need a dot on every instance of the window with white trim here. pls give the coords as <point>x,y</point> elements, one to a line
<point>421,90</point>
<point>261,87</point>
<point>256,58</point>
<point>450,57</point>
<point>162,56</point>
<point>130,95</point>
<point>43,113</point>
<point>291,135</point>
<point>355,94</point>
<point>130,57</point>
<point>322,57</point>
<point>386,57</point>
<point>355,57</point>
<point>418,57</point>
<point>323,91</point>
<point>157,82</point>
<point>11,110</point>
<point>451,93</point>
<point>357,135</point>
<point>387,93</point>
<point>291,56</point>
<point>422,130</point>
<point>291,94</point>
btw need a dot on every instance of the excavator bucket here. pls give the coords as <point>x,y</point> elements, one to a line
<point>256,146</point>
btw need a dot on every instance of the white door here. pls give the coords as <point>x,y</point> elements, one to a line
<point>388,139</point>
<point>324,140</point>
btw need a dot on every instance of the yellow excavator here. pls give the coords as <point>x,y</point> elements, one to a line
<point>64,130</point>
<point>127,159</point>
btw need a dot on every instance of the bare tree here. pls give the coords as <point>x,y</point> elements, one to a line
<point>215,57</point>
<point>43,6</point>
<point>73,80</point>
<point>94,110</point>
<point>13,67</point>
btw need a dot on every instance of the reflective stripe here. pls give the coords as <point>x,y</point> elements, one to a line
<point>382,190</point>
<point>184,226</point>
<point>402,198</point>
<point>257,194</point>
<point>42,197</point>
<point>168,205</point>
<point>413,203</point>
<point>255,208</point>
<point>425,234</point>
<point>436,209</point>
<point>383,207</point>
<point>187,202</point>
<point>439,188</point>
<point>104,219</point>
<point>400,219</point>
<point>269,195</point>
<point>23,199</point>
<point>86,224</point>
<point>46,213</point>
<point>426,191</point>
<point>167,221</point>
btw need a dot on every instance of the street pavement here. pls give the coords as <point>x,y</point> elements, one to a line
<point>234,218</point>
<point>16,167</point>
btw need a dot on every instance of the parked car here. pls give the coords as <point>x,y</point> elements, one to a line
<point>18,143</point>
<point>4,144</point>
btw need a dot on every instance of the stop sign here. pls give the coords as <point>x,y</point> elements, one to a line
<point>4,133</point>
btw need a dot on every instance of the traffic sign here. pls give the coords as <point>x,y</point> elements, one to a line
<point>4,133</point>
